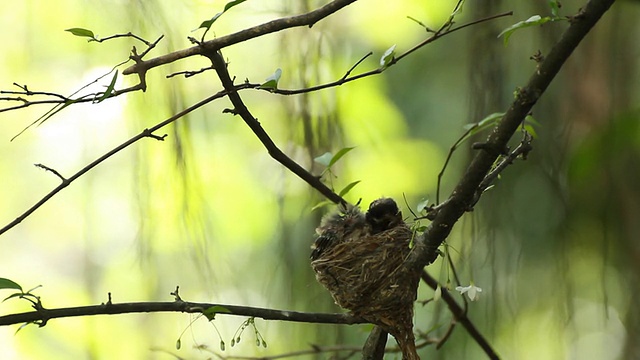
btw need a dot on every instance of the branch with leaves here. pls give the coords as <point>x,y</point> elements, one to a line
<point>480,173</point>
<point>388,59</point>
<point>464,195</point>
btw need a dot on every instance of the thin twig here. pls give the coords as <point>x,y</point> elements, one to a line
<point>145,133</point>
<point>55,172</point>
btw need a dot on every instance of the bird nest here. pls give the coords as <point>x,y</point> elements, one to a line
<point>364,268</point>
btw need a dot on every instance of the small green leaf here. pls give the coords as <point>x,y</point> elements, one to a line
<point>388,56</point>
<point>211,312</point>
<point>531,130</point>
<point>532,21</point>
<point>486,121</point>
<point>458,9</point>
<point>555,7</point>
<point>81,32</point>
<point>324,159</point>
<point>272,81</point>
<point>530,120</point>
<point>339,155</point>
<point>207,23</point>
<point>109,89</point>
<point>14,295</point>
<point>348,188</point>
<point>232,4</point>
<point>529,125</point>
<point>481,125</point>
<point>321,204</point>
<point>9,284</point>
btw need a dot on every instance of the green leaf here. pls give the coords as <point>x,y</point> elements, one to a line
<point>231,4</point>
<point>272,81</point>
<point>458,9</point>
<point>535,20</point>
<point>14,295</point>
<point>529,125</point>
<point>207,23</point>
<point>488,120</point>
<point>9,284</point>
<point>388,56</point>
<point>109,90</point>
<point>348,188</point>
<point>211,312</point>
<point>339,155</point>
<point>481,125</point>
<point>555,7</point>
<point>321,204</point>
<point>324,159</point>
<point>531,130</point>
<point>81,32</point>
<point>530,120</point>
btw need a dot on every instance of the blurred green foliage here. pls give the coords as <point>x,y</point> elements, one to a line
<point>553,245</point>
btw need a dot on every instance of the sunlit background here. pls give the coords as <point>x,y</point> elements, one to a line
<point>554,245</point>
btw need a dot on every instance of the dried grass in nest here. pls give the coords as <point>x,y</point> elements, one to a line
<point>368,276</point>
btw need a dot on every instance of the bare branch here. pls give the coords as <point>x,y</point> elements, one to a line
<point>307,19</point>
<point>55,172</point>
<point>42,315</point>
<point>145,133</point>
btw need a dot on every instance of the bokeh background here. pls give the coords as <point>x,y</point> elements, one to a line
<point>554,245</point>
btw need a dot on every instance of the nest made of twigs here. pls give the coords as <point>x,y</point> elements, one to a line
<point>367,275</point>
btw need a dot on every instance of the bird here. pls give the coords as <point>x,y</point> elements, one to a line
<point>360,258</point>
<point>342,226</point>
<point>349,223</point>
<point>383,214</point>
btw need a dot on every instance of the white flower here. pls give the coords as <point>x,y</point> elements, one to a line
<point>473,292</point>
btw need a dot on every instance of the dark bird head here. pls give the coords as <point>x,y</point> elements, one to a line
<point>383,214</point>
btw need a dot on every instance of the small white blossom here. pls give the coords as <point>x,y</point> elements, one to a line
<point>473,292</point>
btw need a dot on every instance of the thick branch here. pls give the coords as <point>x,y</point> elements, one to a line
<point>307,19</point>
<point>43,315</point>
<point>463,195</point>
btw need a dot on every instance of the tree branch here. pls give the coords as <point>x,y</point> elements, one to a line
<point>463,195</point>
<point>42,315</point>
<point>145,133</point>
<point>460,315</point>
<point>240,109</point>
<point>307,19</point>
